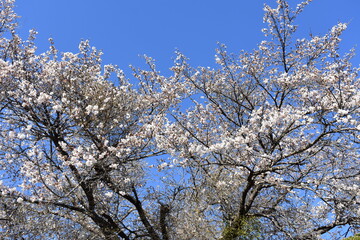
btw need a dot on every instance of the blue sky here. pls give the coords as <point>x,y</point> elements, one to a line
<point>123,30</point>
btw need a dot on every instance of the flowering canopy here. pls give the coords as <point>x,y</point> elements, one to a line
<point>269,138</point>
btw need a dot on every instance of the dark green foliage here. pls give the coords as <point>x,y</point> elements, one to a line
<point>355,237</point>
<point>242,228</point>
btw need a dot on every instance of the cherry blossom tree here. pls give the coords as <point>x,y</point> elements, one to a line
<point>74,139</point>
<point>272,135</point>
<point>265,146</point>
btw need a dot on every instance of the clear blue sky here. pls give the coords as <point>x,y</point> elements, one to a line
<point>124,29</point>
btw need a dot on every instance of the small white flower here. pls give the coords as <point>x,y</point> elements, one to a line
<point>12,134</point>
<point>28,127</point>
<point>43,97</point>
<point>162,166</point>
<point>57,107</point>
<point>94,109</point>
<point>90,160</point>
<point>21,136</point>
<point>114,166</point>
<point>217,59</point>
<point>109,194</point>
<point>343,112</point>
